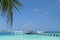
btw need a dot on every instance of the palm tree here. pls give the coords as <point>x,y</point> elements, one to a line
<point>7,7</point>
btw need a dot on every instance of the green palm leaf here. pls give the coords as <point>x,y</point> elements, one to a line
<point>6,6</point>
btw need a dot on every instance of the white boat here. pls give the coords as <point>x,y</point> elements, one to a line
<point>29,31</point>
<point>17,32</point>
<point>40,32</point>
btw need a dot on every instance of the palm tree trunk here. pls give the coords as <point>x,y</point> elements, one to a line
<point>10,15</point>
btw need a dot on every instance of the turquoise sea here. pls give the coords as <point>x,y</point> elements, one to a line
<point>8,36</point>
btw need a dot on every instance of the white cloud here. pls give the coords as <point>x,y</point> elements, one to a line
<point>27,24</point>
<point>46,12</point>
<point>30,24</point>
<point>41,15</point>
<point>35,10</point>
<point>42,9</point>
<point>59,7</point>
<point>41,12</point>
<point>57,23</point>
<point>0,24</point>
<point>58,0</point>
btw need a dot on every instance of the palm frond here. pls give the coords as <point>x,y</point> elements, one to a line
<point>6,6</point>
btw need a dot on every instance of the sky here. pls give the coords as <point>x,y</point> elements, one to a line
<point>43,15</point>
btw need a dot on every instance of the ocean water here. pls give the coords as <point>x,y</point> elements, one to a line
<point>27,37</point>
